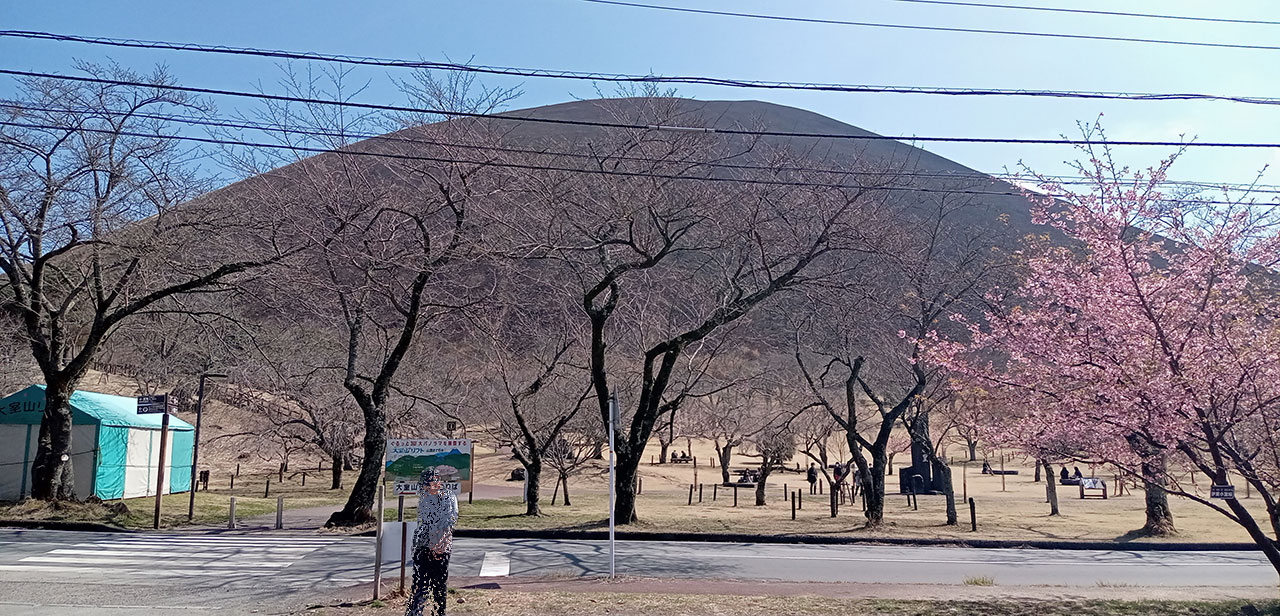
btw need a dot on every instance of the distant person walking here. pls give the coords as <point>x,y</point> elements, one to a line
<point>812,477</point>
<point>432,544</point>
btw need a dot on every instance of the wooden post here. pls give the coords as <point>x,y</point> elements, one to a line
<point>973,516</point>
<point>735,495</point>
<point>164,440</point>
<point>639,485</point>
<point>267,493</point>
<point>304,480</point>
<point>231,520</point>
<point>793,504</point>
<point>715,489</point>
<point>237,470</point>
<point>1002,473</point>
<point>964,479</point>
<point>819,488</point>
<point>691,494</point>
<point>280,513</point>
<point>800,502</point>
<point>699,493</point>
<point>233,482</point>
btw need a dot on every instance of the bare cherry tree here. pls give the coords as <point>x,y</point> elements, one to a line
<point>100,222</point>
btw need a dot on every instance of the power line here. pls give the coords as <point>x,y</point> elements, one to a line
<point>631,78</point>
<point>240,124</point>
<point>621,125</point>
<point>1019,7</point>
<point>867,24</point>
<point>533,167</point>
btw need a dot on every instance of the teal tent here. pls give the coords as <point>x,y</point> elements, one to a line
<point>115,452</point>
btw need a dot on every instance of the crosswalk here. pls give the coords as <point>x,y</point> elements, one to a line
<point>176,555</point>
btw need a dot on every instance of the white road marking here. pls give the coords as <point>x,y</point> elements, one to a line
<point>496,564</point>
<point>930,561</point>
<point>108,559</point>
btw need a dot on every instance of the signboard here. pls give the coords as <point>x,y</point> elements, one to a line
<point>153,404</point>
<point>407,457</point>
<point>1223,492</point>
<point>450,426</point>
<point>1092,483</point>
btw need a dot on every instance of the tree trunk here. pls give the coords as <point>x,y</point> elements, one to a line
<point>943,472</point>
<point>51,476</point>
<point>1050,487</point>
<point>1037,480</point>
<point>973,450</point>
<point>760,485</point>
<point>662,451</point>
<point>359,507</point>
<point>1159,516</point>
<point>597,452</point>
<point>726,456</point>
<point>835,498</point>
<point>873,487</point>
<point>532,495</point>
<point>564,481</point>
<point>890,467</point>
<point>624,503</point>
<point>336,472</point>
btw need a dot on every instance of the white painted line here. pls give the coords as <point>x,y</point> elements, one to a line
<point>163,555</point>
<point>496,564</point>
<point>107,560</point>
<point>191,549</point>
<point>1091,563</point>
<point>139,572</point>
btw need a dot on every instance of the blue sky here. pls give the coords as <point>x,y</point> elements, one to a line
<point>575,35</point>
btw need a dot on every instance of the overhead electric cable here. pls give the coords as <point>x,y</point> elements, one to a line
<point>538,167</point>
<point>240,124</point>
<point>510,117</point>
<point>1048,9</point>
<point>867,24</point>
<point>631,78</point>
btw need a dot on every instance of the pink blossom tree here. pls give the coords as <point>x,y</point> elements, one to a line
<point>1144,332</point>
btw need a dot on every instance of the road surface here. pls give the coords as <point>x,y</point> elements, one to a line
<point>50,572</point>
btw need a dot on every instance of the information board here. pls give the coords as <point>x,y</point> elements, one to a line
<point>1223,492</point>
<point>406,458</point>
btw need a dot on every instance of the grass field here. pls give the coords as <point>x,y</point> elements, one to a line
<point>507,603</point>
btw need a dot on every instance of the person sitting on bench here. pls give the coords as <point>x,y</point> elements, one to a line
<point>1077,474</point>
<point>986,468</point>
<point>1066,475</point>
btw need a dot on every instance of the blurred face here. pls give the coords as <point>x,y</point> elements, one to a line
<point>435,487</point>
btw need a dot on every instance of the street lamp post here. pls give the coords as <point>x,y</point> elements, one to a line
<point>195,449</point>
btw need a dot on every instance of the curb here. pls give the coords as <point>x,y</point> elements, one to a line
<point>485,533</point>
<point>90,527</point>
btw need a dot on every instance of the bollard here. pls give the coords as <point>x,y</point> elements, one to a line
<point>233,482</point>
<point>280,513</point>
<point>715,489</point>
<point>699,493</point>
<point>651,462</point>
<point>973,516</point>
<point>639,485</point>
<point>237,470</point>
<point>695,462</point>
<point>793,504</point>
<point>231,520</point>
<point>304,480</point>
<point>785,492</point>
<point>735,495</point>
<point>267,493</point>
<point>800,502</point>
<point>469,495</point>
<point>819,488</point>
<point>691,494</point>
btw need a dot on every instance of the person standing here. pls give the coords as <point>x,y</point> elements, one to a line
<point>812,477</point>
<point>432,544</point>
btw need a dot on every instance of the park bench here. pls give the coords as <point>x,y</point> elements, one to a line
<point>680,459</point>
<point>1097,486</point>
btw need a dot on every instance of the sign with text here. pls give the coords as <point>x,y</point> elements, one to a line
<point>153,404</point>
<point>406,458</point>
<point>1223,492</point>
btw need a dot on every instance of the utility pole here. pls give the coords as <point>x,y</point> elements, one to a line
<point>195,448</point>
<point>613,421</point>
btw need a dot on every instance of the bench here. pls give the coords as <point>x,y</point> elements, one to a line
<point>675,460</point>
<point>1097,486</point>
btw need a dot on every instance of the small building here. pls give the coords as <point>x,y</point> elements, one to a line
<point>114,450</point>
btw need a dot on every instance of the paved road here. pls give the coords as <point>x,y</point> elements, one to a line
<point>152,574</point>
<point>167,574</point>
<point>863,563</point>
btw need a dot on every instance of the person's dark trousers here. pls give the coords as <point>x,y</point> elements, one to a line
<point>813,487</point>
<point>430,583</point>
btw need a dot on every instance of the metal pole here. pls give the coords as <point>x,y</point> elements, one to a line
<point>377,550</point>
<point>231,520</point>
<point>404,540</point>
<point>279,513</point>
<point>164,440</point>
<point>613,411</point>
<point>195,451</point>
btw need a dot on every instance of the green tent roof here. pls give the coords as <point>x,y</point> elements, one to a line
<point>87,407</point>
